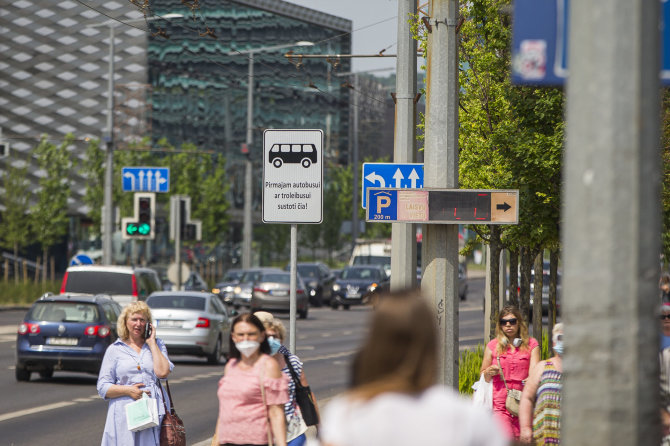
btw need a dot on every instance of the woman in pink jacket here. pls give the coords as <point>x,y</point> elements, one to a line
<point>510,355</point>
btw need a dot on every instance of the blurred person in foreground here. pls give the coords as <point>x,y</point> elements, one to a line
<point>511,355</point>
<point>395,398</point>
<point>540,409</point>
<point>132,365</point>
<point>276,333</point>
<point>252,391</point>
<point>664,358</point>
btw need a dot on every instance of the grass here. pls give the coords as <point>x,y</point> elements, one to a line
<point>25,293</point>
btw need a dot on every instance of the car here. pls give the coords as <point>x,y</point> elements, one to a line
<point>271,293</point>
<point>65,333</point>
<point>195,282</point>
<point>191,323</point>
<point>357,284</point>
<point>242,291</point>
<point>225,287</point>
<point>124,284</point>
<point>318,282</point>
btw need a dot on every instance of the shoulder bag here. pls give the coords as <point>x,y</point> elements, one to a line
<point>303,396</point>
<point>513,396</point>
<point>173,432</point>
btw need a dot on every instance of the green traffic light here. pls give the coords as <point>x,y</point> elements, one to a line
<point>144,228</point>
<point>138,229</point>
<point>131,228</point>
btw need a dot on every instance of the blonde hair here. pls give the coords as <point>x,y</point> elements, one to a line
<point>503,342</point>
<point>135,307</point>
<point>278,326</point>
<point>400,352</point>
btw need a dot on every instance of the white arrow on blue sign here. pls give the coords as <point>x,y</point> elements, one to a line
<point>401,176</point>
<point>146,179</point>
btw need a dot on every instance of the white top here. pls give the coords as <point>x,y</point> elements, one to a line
<point>438,416</point>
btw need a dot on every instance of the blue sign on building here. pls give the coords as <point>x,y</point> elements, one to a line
<point>540,42</point>
<point>400,176</point>
<point>146,179</point>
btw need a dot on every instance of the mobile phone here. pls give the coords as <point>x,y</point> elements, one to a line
<point>147,330</point>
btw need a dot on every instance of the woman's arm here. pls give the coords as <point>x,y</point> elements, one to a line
<point>534,358</point>
<point>278,424</point>
<point>487,369</point>
<point>134,391</point>
<point>528,401</point>
<point>161,363</point>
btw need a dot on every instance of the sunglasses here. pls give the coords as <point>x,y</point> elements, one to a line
<point>508,321</point>
<point>665,316</point>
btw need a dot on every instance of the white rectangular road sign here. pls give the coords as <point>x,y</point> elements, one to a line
<point>292,176</point>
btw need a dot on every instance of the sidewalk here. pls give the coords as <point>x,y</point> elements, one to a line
<point>311,438</point>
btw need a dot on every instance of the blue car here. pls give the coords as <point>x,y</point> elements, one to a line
<point>68,333</point>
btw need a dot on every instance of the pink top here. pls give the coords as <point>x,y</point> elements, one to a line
<point>515,365</point>
<point>242,416</point>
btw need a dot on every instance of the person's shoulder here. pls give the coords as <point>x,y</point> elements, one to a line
<point>532,343</point>
<point>493,343</point>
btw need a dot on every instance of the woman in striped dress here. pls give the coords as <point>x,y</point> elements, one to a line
<point>540,409</point>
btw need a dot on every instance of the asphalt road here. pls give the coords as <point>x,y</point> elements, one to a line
<point>67,410</point>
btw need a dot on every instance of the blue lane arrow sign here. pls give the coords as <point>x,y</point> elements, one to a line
<point>400,176</point>
<point>146,179</point>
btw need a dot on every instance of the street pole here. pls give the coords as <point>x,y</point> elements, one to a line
<point>354,164</point>
<point>440,242</point>
<point>612,225</point>
<point>247,228</point>
<point>109,158</point>
<point>293,280</point>
<point>403,235</point>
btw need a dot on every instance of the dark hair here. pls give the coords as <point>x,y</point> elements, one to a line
<point>249,319</point>
<point>400,352</point>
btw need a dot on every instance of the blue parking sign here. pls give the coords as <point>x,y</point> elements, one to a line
<point>383,205</point>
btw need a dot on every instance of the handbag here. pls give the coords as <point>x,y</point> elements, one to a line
<point>483,395</point>
<point>173,432</point>
<point>513,396</point>
<point>304,398</point>
<point>142,413</point>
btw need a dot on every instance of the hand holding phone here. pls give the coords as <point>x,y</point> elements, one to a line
<point>147,330</point>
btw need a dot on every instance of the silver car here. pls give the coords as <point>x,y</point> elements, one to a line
<point>271,293</point>
<point>243,290</point>
<point>191,323</point>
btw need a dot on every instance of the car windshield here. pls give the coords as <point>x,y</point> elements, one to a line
<point>251,276</point>
<point>360,273</point>
<point>232,276</point>
<point>177,301</point>
<point>307,272</point>
<point>64,312</point>
<point>276,278</point>
<point>99,282</point>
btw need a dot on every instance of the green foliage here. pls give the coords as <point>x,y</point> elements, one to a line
<point>26,293</point>
<point>49,215</point>
<point>15,229</point>
<point>469,364</point>
<point>93,169</point>
<point>337,198</point>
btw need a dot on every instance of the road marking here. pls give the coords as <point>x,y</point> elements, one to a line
<point>331,356</point>
<point>7,329</point>
<point>305,347</point>
<point>325,335</point>
<point>34,410</point>
<point>8,338</point>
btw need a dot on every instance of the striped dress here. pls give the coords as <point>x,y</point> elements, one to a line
<point>547,416</point>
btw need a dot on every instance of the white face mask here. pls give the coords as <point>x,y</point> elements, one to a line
<point>248,347</point>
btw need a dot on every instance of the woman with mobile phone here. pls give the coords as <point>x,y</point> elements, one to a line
<point>132,366</point>
<point>507,361</point>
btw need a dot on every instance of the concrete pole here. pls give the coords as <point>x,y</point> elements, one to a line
<point>487,295</point>
<point>611,233</point>
<point>440,242</point>
<point>107,226</point>
<point>403,235</point>
<point>293,280</point>
<point>247,228</point>
<point>354,163</point>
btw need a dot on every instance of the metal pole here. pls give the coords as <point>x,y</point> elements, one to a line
<point>177,241</point>
<point>440,242</point>
<point>292,285</point>
<point>612,182</point>
<point>354,165</point>
<point>107,224</point>
<point>403,235</point>
<point>246,234</point>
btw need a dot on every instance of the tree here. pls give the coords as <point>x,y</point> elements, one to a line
<point>337,207</point>
<point>15,219</point>
<point>93,169</point>
<point>50,214</point>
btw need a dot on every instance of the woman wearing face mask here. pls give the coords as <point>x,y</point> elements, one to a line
<point>540,411</point>
<point>276,333</point>
<point>511,355</point>
<point>253,391</point>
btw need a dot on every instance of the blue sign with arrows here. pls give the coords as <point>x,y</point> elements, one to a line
<point>399,176</point>
<point>146,179</point>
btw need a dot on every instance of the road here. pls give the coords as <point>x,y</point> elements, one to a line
<point>67,410</point>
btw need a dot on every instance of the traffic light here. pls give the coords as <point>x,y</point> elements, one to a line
<point>141,225</point>
<point>145,216</point>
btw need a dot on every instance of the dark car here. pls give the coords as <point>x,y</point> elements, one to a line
<point>225,287</point>
<point>65,332</point>
<point>318,280</point>
<point>357,284</point>
<point>195,282</point>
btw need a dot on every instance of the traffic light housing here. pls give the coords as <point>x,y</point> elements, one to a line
<point>142,224</point>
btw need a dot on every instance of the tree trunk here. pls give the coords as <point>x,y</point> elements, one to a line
<point>37,270</point>
<point>494,251</point>
<point>53,268</point>
<point>537,298</point>
<point>24,265</point>
<point>513,285</point>
<point>526,261</point>
<point>553,282</point>
<point>16,264</point>
<point>44,262</point>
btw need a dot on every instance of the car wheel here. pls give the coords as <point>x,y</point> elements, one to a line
<point>333,304</point>
<point>346,307</point>
<point>303,313</point>
<point>215,357</point>
<point>47,373</point>
<point>318,299</point>
<point>21,374</point>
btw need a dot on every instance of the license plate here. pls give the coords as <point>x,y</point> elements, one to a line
<point>352,295</point>
<point>280,293</point>
<point>62,341</point>
<point>164,323</point>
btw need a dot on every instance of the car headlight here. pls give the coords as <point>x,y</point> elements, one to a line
<point>336,287</point>
<point>372,287</point>
<point>216,290</point>
<point>312,292</point>
<point>237,290</point>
